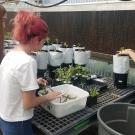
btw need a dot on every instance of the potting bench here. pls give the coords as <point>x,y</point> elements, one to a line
<point>77,122</point>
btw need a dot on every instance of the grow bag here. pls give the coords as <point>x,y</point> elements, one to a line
<point>120,70</point>
<point>116,119</point>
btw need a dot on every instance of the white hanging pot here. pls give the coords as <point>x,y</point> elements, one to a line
<point>80,57</point>
<point>78,48</point>
<point>45,48</point>
<point>57,46</point>
<point>7,49</point>
<point>48,47</point>
<point>55,58</point>
<point>88,53</point>
<point>120,64</point>
<point>42,59</point>
<point>68,55</point>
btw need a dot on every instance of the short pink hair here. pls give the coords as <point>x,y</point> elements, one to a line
<point>27,26</point>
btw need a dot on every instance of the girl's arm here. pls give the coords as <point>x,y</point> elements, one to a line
<point>30,100</point>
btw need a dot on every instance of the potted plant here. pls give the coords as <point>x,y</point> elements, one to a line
<point>42,90</point>
<point>80,56</point>
<point>48,45</point>
<point>65,74</point>
<point>120,69</point>
<point>81,75</point>
<point>68,53</point>
<point>92,98</point>
<point>57,44</point>
<point>78,46</point>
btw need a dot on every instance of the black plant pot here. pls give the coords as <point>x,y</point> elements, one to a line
<point>91,101</point>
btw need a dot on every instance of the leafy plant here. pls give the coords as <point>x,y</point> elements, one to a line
<point>48,41</point>
<point>122,49</point>
<point>65,74</point>
<point>79,70</point>
<point>7,36</point>
<point>42,90</point>
<point>93,92</point>
<point>65,45</point>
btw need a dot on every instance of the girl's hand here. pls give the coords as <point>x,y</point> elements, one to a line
<point>125,52</point>
<point>52,95</point>
<point>42,81</point>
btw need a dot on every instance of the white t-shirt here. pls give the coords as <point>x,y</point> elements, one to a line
<point>18,72</point>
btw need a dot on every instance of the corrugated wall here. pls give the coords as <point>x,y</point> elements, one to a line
<point>100,31</point>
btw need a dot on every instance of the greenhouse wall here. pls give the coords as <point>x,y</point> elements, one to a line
<point>100,31</point>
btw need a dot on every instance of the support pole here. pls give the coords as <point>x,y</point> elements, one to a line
<point>1,34</point>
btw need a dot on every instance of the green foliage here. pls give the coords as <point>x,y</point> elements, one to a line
<point>65,45</point>
<point>93,92</point>
<point>7,36</point>
<point>42,90</point>
<point>78,44</point>
<point>79,70</point>
<point>65,74</point>
<point>122,49</point>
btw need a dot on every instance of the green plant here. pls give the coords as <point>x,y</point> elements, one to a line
<point>42,90</point>
<point>78,44</point>
<point>7,36</point>
<point>93,92</point>
<point>65,45</point>
<point>79,70</point>
<point>65,74</point>
<point>56,41</point>
<point>122,49</point>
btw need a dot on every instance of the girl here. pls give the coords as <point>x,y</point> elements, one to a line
<point>18,76</point>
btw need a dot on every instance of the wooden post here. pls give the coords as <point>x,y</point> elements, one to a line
<point>1,34</point>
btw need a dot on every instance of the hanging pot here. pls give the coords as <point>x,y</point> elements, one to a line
<point>80,57</point>
<point>48,47</point>
<point>57,46</point>
<point>120,70</point>
<point>68,55</point>
<point>42,59</point>
<point>55,58</point>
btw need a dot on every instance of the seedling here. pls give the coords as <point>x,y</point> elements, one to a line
<point>93,92</point>
<point>42,90</point>
<point>122,49</point>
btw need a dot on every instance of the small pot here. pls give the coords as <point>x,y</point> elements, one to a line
<point>91,101</point>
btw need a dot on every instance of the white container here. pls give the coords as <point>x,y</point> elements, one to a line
<point>68,55</point>
<point>42,60</point>
<point>80,58</point>
<point>62,109</point>
<point>55,58</point>
<point>57,46</point>
<point>120,64</point>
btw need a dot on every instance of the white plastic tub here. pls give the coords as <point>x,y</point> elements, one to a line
<point>65,108</point>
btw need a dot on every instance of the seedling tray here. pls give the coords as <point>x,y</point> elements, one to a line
<point>51,125</point>
<point>98,84</point>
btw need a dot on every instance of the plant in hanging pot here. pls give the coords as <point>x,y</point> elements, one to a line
<point>68,53</point>
<point>92,98</point>
<point>56,44</point>
<point>48,44</point>
<point>42,90</point>
<point>120,69</point>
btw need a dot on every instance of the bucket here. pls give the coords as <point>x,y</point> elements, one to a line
<point>116,119</point>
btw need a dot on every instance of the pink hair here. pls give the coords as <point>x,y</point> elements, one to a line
<point>28,26</point>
